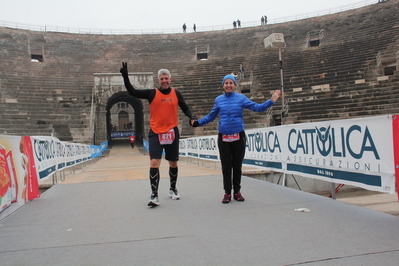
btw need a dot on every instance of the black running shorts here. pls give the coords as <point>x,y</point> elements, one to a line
<point>171,150</point>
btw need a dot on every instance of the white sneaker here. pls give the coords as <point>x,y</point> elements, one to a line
<point>154,201</point>
<point>174,194</point>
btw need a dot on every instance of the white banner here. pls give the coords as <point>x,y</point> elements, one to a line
<point>51,154</point>
<point>356,152</point>
<point>204,147</point>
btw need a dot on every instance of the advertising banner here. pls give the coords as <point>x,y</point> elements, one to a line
<point>358,152</point>
<point>50,154</point>
<point>183,147</point>
<point>45,156</point>
<point>18,175</point>
<point>122,134</point>
<point>26,161</point>
<point>208,147</point>
<point>192,147</point>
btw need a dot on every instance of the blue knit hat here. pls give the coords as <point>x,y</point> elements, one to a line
<point>229,77</point>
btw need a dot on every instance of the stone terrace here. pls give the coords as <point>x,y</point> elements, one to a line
<point>343,77</point>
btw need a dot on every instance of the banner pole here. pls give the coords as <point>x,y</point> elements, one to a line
<point>395,135</point>
<point>282,87</point>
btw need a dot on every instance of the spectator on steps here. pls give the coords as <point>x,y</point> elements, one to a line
<point>164,134</point>
<point>231,137</point>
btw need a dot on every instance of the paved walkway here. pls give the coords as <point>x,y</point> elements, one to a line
<point>124,163</point>
<point>99,216</point>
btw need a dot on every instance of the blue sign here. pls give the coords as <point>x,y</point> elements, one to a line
<point>122,134</point>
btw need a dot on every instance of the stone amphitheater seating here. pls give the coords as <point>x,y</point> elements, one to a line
<point>341,78</point>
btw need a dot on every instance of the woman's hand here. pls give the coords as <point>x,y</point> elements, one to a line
<point>276,94</point>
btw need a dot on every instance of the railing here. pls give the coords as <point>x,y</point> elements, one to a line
<point>244,24</point>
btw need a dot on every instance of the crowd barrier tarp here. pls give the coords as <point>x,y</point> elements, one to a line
<point>145,145</point>
<point>358,152</point>
<point>26,161</point>
<point>98,150</point>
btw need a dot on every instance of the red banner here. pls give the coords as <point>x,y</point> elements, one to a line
<point>31,179</point>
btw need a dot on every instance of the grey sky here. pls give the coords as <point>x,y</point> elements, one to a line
<point>156,14</point>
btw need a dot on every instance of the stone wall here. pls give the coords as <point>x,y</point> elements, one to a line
<point>344,76</point>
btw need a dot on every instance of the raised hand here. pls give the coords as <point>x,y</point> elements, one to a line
<point>123,70</point>
<point>276,94</point>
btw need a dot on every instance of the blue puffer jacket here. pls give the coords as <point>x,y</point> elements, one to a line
<point>230,107</point>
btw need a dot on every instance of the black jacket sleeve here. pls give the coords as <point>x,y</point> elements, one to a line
<point>142,94</point>
<point>183,105</point>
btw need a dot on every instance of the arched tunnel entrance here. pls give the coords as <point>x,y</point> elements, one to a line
<point>113,105</point>
<point>124,114</point>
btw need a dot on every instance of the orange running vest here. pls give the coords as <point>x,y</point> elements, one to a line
<point>163,111</point>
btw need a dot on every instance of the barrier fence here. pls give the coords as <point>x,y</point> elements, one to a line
<point>361,152</point>
<point>26,161</point>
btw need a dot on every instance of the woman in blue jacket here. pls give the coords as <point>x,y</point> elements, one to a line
<point>231,138</point>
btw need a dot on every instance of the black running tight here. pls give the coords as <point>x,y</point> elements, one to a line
<point>231,157</point>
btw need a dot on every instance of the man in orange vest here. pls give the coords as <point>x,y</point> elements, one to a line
<point>132,139</point>
<point>164,134</point>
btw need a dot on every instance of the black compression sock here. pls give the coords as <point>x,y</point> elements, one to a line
<point>173,177</point>
<point>154,180</point>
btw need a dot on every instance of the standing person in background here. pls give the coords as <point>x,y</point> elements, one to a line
<point>231,138</point>
<point>184,28</point>
<point>132,139</point>
<point>195,28</point>
<point>164,134</point>
<point>241,72</point>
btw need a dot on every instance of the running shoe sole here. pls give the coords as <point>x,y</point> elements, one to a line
<point>173,195</point>
<point>226,199</point>
<point>153,203</point>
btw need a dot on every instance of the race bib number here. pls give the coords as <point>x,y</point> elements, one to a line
<point>231,138</point>
<point>167,138</point>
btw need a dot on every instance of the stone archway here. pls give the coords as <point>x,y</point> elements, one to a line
<point>108,90</point>
<point>123,97</point>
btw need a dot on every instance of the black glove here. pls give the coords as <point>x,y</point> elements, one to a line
<point>123,70</point>
<point>194,123</point>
